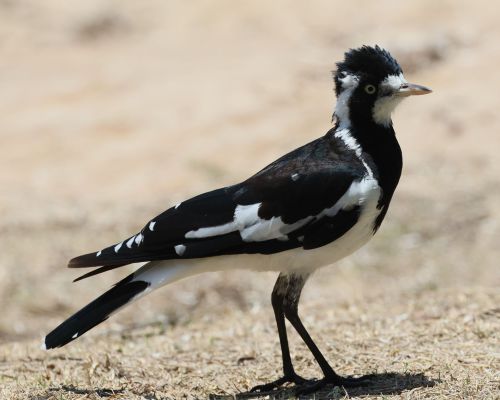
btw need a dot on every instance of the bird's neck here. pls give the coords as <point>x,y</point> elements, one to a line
<point>380,148</point>
<point>381,144</point>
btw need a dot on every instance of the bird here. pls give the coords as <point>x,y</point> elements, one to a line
<point>308,209</point>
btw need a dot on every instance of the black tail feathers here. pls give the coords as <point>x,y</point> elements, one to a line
<point>95,312</point>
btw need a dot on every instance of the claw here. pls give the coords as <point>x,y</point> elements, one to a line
<point>268,387</point>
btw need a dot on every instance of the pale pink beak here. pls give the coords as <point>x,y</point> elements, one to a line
<point>411,89</point>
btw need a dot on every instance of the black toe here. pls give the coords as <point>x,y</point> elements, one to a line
<point>268,387</point>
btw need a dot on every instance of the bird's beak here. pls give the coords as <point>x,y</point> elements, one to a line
<point>411,89</point>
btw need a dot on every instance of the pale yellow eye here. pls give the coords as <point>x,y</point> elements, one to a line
<point>370,89</point>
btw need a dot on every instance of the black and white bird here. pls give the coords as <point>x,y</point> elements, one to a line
<point>310,208</point>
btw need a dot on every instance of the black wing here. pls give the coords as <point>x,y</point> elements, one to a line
<point>277,209</point>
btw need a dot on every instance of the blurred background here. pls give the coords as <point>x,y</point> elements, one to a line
<point>112,111</point>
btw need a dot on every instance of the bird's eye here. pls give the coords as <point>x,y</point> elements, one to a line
<point>370,89</point>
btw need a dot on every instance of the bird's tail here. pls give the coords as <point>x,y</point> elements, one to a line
<point>146,279</point>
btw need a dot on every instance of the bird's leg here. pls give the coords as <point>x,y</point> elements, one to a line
<point>289,375</point>
<point>290,308</point>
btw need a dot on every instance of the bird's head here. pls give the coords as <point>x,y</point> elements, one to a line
<point>369,83</point>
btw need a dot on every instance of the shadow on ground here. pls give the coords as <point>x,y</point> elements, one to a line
<point>101,392</point>
<point>378,384</point>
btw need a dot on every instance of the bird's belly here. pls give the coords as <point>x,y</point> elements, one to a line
<point>310,260</point>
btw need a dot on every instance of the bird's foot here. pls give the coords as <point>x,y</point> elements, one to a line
<point>332,380</point>
<point>288,378</point>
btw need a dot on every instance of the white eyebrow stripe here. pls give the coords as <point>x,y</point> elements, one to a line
<point>394,82</point>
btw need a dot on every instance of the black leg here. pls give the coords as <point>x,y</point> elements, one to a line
<point>294,319</point>
<point>290,308</point>
<point>279,314</point>
<point>289,375</point>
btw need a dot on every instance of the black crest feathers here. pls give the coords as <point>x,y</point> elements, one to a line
<point>367,61</point>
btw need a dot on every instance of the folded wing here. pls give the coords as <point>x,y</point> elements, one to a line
<point>282,207</point>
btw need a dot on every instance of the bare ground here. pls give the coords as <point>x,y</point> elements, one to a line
<point>111,111</point>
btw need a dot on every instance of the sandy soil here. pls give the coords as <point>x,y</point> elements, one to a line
<point>113,110</point>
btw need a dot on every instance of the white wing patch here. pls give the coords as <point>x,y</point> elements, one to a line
<point>118,247</point>
<point>139,238</point>
<point>357,195</point>
<point>274,228</point>
<point>152,226</point>
<point>245,216</point>
<point>180,249</point>
<point>252,228</point>
<point>130,241</point>
<point>211,231</point>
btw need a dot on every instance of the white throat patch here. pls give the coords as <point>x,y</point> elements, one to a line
<point>384,106</point>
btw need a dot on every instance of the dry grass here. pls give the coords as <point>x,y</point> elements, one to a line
<point>421,335</point>
<point>437,344</point>
<point>113,110</point>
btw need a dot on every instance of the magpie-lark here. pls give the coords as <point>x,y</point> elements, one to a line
<point>310,208</point>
